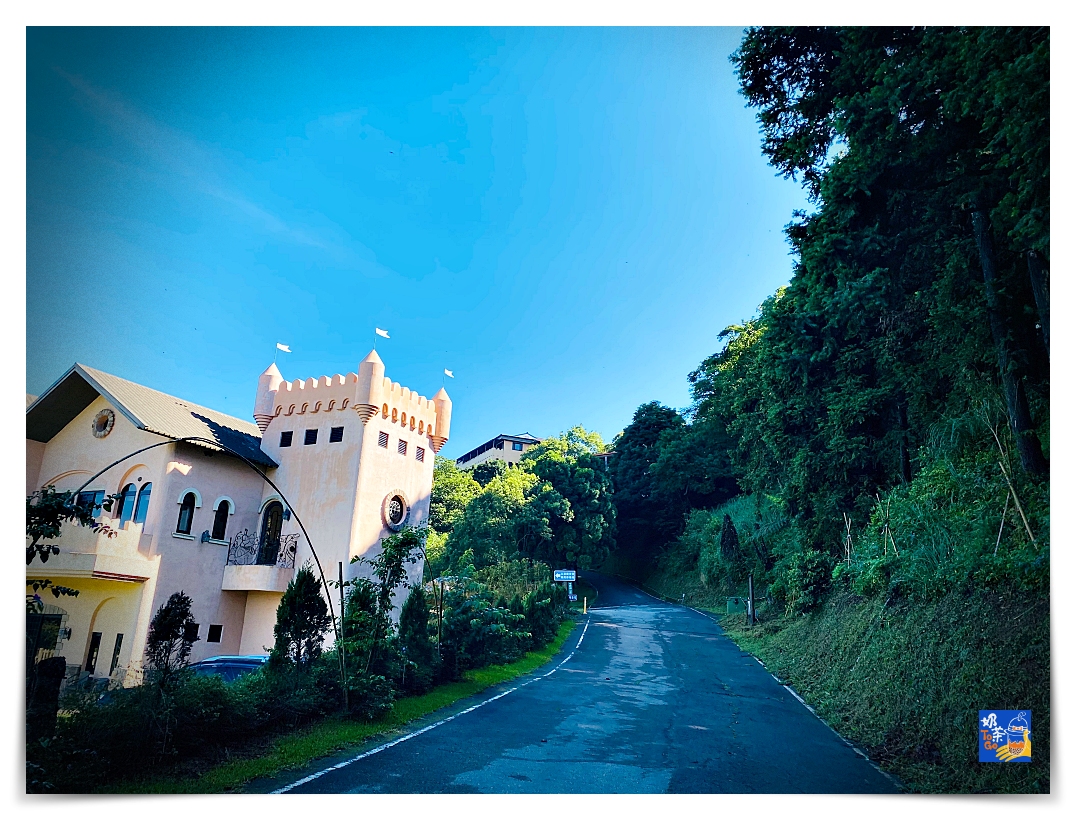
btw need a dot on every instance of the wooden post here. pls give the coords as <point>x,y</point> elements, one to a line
<point>751,599</point>
<point>440,612</point>
<point>343,660</point>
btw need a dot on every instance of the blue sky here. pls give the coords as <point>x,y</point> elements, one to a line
<point>566,218</point>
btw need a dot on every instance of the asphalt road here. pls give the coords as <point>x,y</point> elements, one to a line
<point>653,699</point>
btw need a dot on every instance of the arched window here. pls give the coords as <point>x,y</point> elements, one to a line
<point>142,505</point>
<point>272,521</point>
<point>220,520</point>
<point>127,504</point>
<point>186,515</point>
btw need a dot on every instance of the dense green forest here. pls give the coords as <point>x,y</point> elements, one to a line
<point>882,414</point>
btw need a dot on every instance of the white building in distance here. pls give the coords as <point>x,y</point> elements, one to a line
<point>509,449</point>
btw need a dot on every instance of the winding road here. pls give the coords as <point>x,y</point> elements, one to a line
<point>645,697</point>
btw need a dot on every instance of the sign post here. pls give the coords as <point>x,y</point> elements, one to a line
<point>566,576</point>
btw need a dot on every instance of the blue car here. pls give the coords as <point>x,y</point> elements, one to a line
<point>229,667</point>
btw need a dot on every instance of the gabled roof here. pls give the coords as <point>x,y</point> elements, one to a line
<point>147,409</point>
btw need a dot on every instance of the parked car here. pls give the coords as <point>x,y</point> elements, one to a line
<point>229,667</point>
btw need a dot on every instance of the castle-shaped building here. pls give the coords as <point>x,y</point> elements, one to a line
<point>351,457</point>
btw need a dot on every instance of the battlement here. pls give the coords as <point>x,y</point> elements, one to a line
<point>368,392</point>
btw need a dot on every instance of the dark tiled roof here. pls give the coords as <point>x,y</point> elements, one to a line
<point>147,409</point>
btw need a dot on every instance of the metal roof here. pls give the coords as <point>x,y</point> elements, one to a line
<point>147,409</point>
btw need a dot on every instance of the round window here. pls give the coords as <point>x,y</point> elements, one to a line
<point>103,423</point>
<point>395,510</point>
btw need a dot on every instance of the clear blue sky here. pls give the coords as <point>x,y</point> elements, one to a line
<point>566,218</point>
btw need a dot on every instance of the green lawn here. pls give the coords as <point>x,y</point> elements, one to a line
<point>334,734</point>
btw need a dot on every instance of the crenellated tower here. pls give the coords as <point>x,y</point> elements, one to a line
<point>368,391</point>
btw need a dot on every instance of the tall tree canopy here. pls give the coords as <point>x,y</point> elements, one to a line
<point>914,295</point>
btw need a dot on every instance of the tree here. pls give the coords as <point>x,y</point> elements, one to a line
<point>568,464</point>
<point>302,619</point>
<point>172,633</point>
<point>453,490</point>
<point>647,517</point>
<point>927,150</point>
<point>416,642</point>
<point>489,470</point>
<point>487,529</point>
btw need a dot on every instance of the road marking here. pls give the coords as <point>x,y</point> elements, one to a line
<point>795,694</point>
<point>425,729</point>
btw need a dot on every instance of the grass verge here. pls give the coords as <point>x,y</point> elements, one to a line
<point>906,680</point>
<point>335,734</point>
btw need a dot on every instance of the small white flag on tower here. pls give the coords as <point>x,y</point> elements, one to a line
<point>449,374</point>
<point>285,348</point>
<point>381,332</point>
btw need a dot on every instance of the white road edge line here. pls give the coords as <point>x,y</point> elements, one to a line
<point>795,694</point>
<point>425,729</point>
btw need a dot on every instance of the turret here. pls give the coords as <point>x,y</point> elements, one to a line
<point>368,390</point>
<point>265,400</point>
<point>443,403</point>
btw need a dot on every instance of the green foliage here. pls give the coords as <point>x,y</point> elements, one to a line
<point>302,619</point>
<point>476,632</point>
<point>46,513</point>
<point>489,470</point>
<point>417,647</point>
<point>453,490</point>
<point>583,531</point>
<point>556,507</point>
<point>203,718</point>
<point>803,581</point>
<point>172,633</point>
<point>487,529</point>
<point>515,578</point>
<point>875,396</point>
<point>34,604</point>
<point>647,517</point>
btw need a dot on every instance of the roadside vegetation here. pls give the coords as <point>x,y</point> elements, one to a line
<point>555,507</point>
<point>872,446</point>
<point>293,750</point>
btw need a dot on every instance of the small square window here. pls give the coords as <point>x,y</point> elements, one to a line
<point>311,437</point>
<point>215,631</point>
<point>336,434</point>
<point>285,438</point>
<point>401,448</point>
<point>190,632</point>
<point>420,454</point>
<point>383,440</point>
<point>516,445</point>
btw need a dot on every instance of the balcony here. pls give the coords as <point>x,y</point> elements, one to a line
<point>86,554</point>
<point>260,564</point>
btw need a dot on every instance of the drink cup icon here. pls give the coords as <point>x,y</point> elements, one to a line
<point>1015,733</point>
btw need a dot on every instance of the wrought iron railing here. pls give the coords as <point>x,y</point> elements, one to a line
<point>248,548</point>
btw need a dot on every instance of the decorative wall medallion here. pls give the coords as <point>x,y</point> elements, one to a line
<point>395,510</point>
<point>103,423</point>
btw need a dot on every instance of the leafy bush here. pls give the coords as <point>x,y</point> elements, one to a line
<point>805,581</point>
<point>417,648</point>
<point>515,577</point>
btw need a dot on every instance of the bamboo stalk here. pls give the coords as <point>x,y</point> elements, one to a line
<point>1016,500</point>
<point>1001,529</point>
